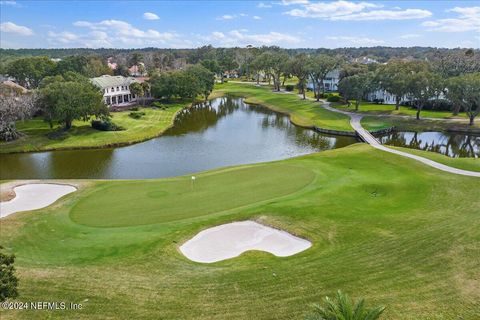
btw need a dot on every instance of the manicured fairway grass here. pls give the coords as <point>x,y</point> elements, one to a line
<point>387,109</point>
<point>82,135</point>
<point>302,112</point>
<point>383,227</point>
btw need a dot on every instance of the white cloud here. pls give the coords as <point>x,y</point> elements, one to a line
<point>242,38</point>
<point>264,5</point>
<point>150,16</point>
<point>113,33</point>
<point>227,17</point>
<point>468,20</point>
<point>328,10</point>
<point>387,15</point>
<point>292,2</point>
<point>410,36</point>
<point>218,35</point>
<point>10,27</point>
<point>63,37</point>
<point>8,3</point>
<point>257,18</point>
<point>355,11</point>
<point>357,41</point>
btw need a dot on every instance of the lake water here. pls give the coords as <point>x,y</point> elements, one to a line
<point>449,144</point>
<point>221,132</point>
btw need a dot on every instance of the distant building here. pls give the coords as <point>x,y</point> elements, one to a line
<point>8,87</point>
<point>330,82</point>
<point>115,89</point>
<point>364,60</point>
<point>385,97</point>
<point>137,70</point>
<point>112,65</point>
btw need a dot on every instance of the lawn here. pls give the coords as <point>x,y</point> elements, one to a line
<point>383,227</point>
<point>471,164</point>
<point>82,135</point>
<point>305,113</point>
<point>387,109</point>
<point>373,123</point>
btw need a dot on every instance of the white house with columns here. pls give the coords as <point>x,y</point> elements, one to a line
<point>115,89</point>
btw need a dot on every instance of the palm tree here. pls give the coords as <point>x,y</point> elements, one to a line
<point>343,308</point>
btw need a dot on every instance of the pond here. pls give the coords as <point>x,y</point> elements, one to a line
<point>221,132</point>
<point>449,144</point>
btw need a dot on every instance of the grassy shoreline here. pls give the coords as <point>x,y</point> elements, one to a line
<point>82,136</point>
<point>380,225</point>
<point>303,113</point>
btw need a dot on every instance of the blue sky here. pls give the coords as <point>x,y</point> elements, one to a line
<point>187,24</point>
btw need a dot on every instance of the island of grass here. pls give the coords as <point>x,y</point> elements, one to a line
<point>383,227</point>
<point>36,134</point>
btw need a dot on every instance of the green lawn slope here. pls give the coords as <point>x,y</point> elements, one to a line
<point>383,227</point>
<point>305,113</point>
<point>36,132</point>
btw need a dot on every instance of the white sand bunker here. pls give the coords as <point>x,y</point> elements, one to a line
<point>232,239</point>
<point>34,196</point>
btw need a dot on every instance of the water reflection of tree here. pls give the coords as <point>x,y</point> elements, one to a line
<point>452,145</point>
<point>83,164</point>
<point>203,115</point>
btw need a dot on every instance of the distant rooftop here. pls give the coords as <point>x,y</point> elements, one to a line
<point>107,81</point>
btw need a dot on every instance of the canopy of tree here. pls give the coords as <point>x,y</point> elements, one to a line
<point>66,100</point>
<point>196,80</point>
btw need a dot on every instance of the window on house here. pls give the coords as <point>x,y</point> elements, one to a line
<point>118,89</point>
<point>113,89</point>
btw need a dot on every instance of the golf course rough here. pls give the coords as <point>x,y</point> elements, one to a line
<point>386,228</point>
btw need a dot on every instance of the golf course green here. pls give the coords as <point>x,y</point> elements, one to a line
<point>383,227</point>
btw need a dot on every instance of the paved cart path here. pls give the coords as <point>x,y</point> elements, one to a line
<point>366,136</point>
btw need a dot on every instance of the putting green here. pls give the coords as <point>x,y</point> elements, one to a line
<point>145,202</point>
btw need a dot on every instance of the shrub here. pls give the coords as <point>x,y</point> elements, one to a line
<point>9,280</point>
<point>8,131</point>
<point>134,109</point>
<point>342,307</point>
<point>105,125</point>
<point>333,98</point>
<point>289,87</point>
<point>136,114</point>
<point>159,105</point>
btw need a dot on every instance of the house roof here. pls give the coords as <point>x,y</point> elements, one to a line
<point>106,81</point>
<point>14,86</point>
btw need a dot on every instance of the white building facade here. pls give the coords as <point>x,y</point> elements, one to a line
<point>330,82</point>
<point>115,89</point>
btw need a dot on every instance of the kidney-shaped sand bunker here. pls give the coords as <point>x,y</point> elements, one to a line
<point>232,239</point>
<point>34,196</point>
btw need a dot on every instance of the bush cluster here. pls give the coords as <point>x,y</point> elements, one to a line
<point>333,98</point>
<point>159,105</point>
<point>289,87</point>
<point>136,114</point>
<point>106,125</point>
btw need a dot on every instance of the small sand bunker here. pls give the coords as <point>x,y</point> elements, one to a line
<point>34,196</point>
<point>232,239</point>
